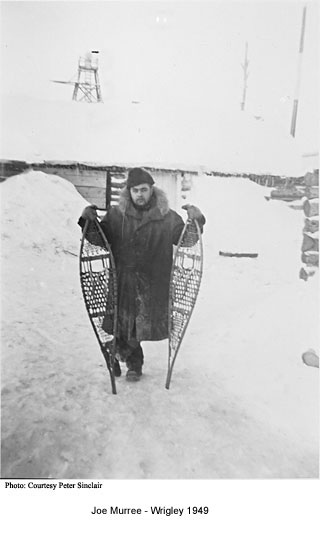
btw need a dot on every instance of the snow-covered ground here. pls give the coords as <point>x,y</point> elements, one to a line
<point>241,402</point>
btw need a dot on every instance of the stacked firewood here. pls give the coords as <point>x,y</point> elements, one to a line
<point>310,242</point>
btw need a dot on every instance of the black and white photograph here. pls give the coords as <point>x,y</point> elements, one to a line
<point>159,257</point>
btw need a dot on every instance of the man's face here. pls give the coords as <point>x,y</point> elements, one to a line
<point>141,194</point>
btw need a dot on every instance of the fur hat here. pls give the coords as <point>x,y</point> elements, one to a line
<point>139,176</point>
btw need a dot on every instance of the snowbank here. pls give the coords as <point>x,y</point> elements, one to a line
<point>39,214</point>
<point>241,220</point>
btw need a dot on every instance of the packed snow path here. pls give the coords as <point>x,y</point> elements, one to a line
<point>241,403</point>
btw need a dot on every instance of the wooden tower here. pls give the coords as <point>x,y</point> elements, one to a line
<point>87,87</point>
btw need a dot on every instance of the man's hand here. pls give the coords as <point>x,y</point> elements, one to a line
<point>90,213</point>
<point>193,212</point>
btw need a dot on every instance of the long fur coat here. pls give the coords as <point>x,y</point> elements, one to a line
<point>142,245</point>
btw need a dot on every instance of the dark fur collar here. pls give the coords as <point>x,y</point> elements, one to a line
<point>162,202</point>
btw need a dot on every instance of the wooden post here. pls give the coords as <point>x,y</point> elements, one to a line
<point>108,189</point>
<point>245,78</point>
<point>296,93</point>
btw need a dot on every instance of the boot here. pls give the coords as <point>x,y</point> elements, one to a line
<point>134,375</point>
<point>134,364</point>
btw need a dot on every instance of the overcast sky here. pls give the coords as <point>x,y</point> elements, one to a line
<point>168,52</point>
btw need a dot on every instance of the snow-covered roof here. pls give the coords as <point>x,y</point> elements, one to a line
<point>166,136</point>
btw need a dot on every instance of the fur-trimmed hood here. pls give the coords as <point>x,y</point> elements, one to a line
<point>159,197</point>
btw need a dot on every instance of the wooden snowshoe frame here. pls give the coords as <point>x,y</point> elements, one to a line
<point>99,288</point>
<point>186,274</point>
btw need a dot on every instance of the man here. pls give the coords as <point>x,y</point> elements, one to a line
<point>141,231</point>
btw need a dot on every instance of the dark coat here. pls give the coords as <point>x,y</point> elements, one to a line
<point>141,242</point>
